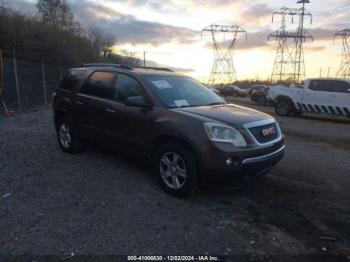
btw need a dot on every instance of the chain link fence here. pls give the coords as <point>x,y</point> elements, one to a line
<point>27,84</point>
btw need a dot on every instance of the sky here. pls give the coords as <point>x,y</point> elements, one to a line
<point>169,31</point>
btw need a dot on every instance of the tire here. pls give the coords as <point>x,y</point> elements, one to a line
<point>284,107</point>
<point>298,113</point>
<point>261,101</point>
<point>175,166</point>
<point>67,138</point>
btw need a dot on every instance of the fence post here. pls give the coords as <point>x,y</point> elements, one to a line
<point>18,93</point>
<point>2,83</point>
<point>60,71</point>
<point>44,81</point>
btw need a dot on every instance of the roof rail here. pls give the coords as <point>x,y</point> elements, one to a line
<point>108,65</point>
<point>155,68</point>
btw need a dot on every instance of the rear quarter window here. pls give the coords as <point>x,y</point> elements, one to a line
<point>100,84</point>
<point>70,79</point>
<point>341,87</point>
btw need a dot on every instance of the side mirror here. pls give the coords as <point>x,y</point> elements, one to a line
<point>137,101</point>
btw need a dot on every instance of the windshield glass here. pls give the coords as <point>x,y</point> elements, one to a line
<point>181,91</point>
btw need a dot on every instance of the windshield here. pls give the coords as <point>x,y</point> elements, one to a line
<point>181,91</point>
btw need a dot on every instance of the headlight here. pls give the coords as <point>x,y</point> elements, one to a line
<point>225,134</point>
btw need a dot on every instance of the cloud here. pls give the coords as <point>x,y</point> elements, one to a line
<point>130,29</point>
<point>23,6</point>
<point>322,34</point>
<point>127,28</point>
<point>254,40</point>
<point>257,11</point>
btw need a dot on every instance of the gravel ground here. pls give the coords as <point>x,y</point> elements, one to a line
<point>99,202</point>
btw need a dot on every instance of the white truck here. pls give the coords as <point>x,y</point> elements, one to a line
<point>319,95</point>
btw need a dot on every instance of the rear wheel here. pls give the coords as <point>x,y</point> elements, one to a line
<point>298,113</point>
<point>67,137</point>
<point>261,101</point>
<point>284,107</point>
<point>175,166</point>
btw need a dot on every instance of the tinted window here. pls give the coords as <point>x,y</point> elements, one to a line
<point>341,87</point>
<point>323,86</point>
<point>329,86</point>
<point>127,86</point>
<point>71,79</point>
<point>100,84</point>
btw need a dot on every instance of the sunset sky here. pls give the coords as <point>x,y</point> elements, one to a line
<point>169,31</point>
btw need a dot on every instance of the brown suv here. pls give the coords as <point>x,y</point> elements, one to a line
<point>188,132</point>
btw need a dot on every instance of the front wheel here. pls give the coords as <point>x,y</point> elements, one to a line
<point>284,108</point>
<point>175,166</point>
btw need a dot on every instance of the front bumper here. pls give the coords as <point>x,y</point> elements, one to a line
<point>244,167</point>
<point>264,158</point>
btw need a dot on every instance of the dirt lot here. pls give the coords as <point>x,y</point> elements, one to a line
<point>99,202</point>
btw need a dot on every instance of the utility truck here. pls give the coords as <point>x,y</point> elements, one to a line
<point>319,95</point>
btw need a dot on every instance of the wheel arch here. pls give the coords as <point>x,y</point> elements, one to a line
<point>167,137</point>
<point>280,98</point>
<point>59,113</point>
<point>283,97</point>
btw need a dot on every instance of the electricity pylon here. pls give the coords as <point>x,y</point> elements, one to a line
<point>344,68</point>
<point>223,70</point>
<point>283,68</point>
<point>289,62</point>
<point>302,36</point>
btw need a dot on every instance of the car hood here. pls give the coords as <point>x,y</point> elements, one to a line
<point>231,114</point>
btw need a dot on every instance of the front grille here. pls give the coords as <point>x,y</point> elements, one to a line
<point>257,132</point>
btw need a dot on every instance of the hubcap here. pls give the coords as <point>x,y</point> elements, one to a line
<point>173,170</point>
<point>282,108</point>
<point>65,136</point>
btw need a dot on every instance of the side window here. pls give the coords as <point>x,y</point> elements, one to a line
<point>100,84</point>
<point>341,87</point>
<point>321,85</point>
<point>70,79</point>
<point>127,86</point>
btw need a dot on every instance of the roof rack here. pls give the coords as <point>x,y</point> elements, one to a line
<point>155,68</point>
<point>108,65</point>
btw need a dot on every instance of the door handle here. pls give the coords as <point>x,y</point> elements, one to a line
<point>110,110</point>
<point>79,103</point>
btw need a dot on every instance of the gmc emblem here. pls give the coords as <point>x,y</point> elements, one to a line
<point>268,131</point>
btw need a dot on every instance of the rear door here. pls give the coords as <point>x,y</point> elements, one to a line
<point>342,97</point>
<point>94,104</point>
<point>320,96</point>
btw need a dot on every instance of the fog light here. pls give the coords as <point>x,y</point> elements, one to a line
<point>229,161</point>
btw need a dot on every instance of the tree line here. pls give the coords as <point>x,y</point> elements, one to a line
<point>54,35</point>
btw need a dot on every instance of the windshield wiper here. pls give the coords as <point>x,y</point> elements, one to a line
<point>217,103</point>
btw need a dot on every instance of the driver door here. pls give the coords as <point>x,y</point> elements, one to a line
<point>134,123</point>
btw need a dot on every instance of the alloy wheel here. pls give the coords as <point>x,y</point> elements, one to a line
<point>282,108</point>
<point>173,170</point>
<point>65,136</point>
